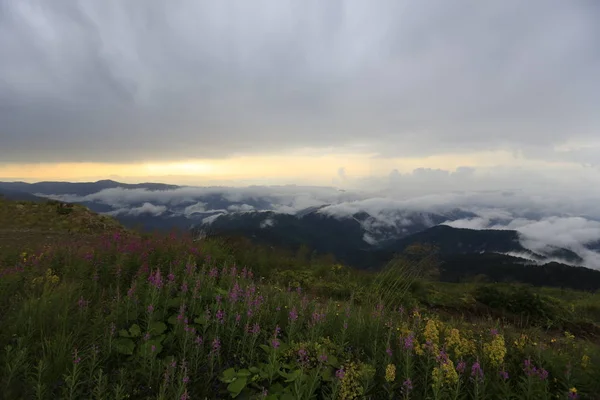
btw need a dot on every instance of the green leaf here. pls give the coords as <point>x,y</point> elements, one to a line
<point>254,370</point>
<point>229,375</point>
<point>135,330</point>
<point>287,396</point>
<point>333,361</point>
<point>157,327</point>
<point>294,375</point>
<point>326,374</point>
<point>266,348</point>
<point>124,333</point>
<point>243,372</point>
<point>173,303</point>
<point>236,387</point>
<point>124,346</point>
<point>172,319</point>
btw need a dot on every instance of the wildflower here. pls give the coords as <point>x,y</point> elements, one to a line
<point>476,371</point>
<point>153,348</point>
<point>185,395</point>
<point>431,334</point>
<point>504,375</point>
<point>409,341</point>
<point>340,373</point>
<point>255,329</point>
<point>171,277</point>
<point>390,373</point>
<point>184,287</point>
<point>150,309</point>
<point>520,342</point>
<point>323,358</point>
<point>293,316</point>
<point>82,303</point>
<point>76,358</point>
<point>585,361</point>
<point>388,352</point>
<point>199,340</point>
<point>407,386</point>
<point>220,316</point>
<point>216,345</point>
<point>495,351</point>
<point>493,331</point>
<point>573,393</point>
<point>303,357</point>
<point>131,291</point>
<point>461,366</point>
<point>275,343</point>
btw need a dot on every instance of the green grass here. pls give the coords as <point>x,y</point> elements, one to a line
<point>110,315</point>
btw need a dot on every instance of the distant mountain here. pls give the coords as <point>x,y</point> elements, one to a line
<point>78,188</point>
<point>494,267</point>
<point>18,195</point>
<point>453,241</point>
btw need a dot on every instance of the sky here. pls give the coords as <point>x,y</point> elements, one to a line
<point>426,95</point>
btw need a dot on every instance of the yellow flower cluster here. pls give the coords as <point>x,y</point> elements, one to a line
<point>460,346</point>
<point>431,334</point>
<point>495,351</point>
<point>390,373</point>
<point>50,278</point>
<point>444,374</point>
<point>585,361</point>
<point>569,336</point>
<point>351,387</point>
<point>521,341</point>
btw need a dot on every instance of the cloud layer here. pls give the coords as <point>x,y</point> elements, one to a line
<point>152,80</point>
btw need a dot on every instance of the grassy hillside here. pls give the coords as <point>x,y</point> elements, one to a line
<point>31,224</point>
<point>99,314</point>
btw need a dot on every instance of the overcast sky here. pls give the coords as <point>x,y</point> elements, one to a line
<point>230,90</point>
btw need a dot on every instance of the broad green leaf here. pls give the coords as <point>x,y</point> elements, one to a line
<point>243,372</point>
<point>236,387</point>
<point>333,361</point>
<point>266,348</point>
<point>124,346</point>
<point>157,327</point>
<point>228,375</point>
<point>135,330</point>
<point>124,333</point>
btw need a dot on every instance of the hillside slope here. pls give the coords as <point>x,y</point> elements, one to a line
<point>27,223</point>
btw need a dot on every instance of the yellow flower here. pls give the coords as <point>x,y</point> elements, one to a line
<point>573,390</point>
<point>444,374</point>
<point>431,334</point>
<point>350,386</point>
<point>585,361</point>
<point>495,351</point>
<point>520,342</point>
<point>390,373</point>
<point>569,336</point>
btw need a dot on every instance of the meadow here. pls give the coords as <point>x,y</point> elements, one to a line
<point>129,316</point>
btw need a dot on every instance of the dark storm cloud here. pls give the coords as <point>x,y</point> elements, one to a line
<point>140,80</point>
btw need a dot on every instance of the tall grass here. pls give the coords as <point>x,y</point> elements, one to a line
<point>172,318</point>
